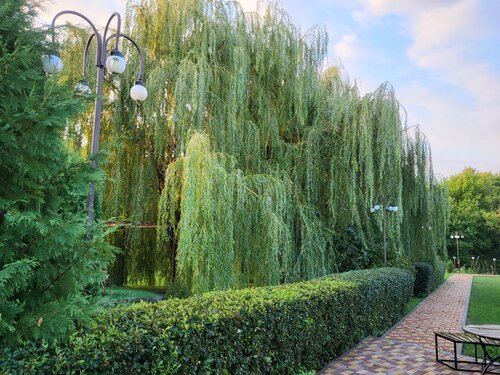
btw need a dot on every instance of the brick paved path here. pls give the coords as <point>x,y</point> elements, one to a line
<point>408,348</point>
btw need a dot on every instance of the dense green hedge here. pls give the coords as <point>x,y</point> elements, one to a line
<point>439,268</point>
<point>278,330</point>
<point>428,277</point>
<point>423,279</point>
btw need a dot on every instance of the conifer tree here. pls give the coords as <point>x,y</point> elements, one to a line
<point>45,261</point>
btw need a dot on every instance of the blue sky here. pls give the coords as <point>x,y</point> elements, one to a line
<point>441,56</point>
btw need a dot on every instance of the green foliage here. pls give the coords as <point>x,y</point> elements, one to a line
<point>423,279</point>
<point>439,268</point>
<point>450,267</point>
<point>45,264</point>
<point>414,302</point>
<point>475,212</point>
<point>425,202</point>
<point>115,293</point>
<point>428,277</point>
<point>247,155</point>
<point>271,330</point>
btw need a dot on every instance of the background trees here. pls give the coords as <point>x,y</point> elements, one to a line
<point>45,263</point>
<point>258,166</point>
<point>475,211</point>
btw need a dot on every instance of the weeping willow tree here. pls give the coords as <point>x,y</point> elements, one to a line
<point>258,166</point>
<point>425,201</point>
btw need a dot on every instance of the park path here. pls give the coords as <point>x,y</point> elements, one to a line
<point>408,348</point>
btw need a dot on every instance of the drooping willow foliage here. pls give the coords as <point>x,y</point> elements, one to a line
<point>258,166</point>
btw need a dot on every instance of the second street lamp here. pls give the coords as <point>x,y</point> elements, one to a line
<point>384,208</point>
<point>457,236</point>
<point>114,63</point>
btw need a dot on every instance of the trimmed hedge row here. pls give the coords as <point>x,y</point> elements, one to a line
<point>439,269</point>
<point>275,330</point>
<point>423,279</point>
<point>428,277</point>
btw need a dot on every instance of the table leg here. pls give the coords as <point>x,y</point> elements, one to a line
<point>487,357</point>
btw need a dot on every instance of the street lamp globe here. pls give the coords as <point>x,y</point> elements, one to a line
<point>139,92</point>
<point>376,207</point>
<point>52,63</point>
<point>115,62</point>
<point>83,88</point>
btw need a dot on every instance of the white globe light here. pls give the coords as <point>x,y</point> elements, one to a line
<point>395,208</point>
<point>139,92</point>
<point>372,209</point>
<point>83,88</point>
<point>115,62</point>
<point>377,207</point>
<point>52,63</point>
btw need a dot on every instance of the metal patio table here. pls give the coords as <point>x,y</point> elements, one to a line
<point>488,334</point>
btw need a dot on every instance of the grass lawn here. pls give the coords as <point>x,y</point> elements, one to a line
<point>414,301</point>
<point>126,293</point>
<point>484,304</point>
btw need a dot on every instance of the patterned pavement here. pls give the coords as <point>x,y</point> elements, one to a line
<point>408,348</point>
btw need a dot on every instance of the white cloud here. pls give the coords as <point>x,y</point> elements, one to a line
<point>444,36</point>
<point>98,11</point>
<point>460,135</point>
<point>347,48</point>
<point>249,5</point>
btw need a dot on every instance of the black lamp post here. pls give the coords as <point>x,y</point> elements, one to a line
<point>384,207</point>
<point>457,236</point>
<point>114,63</point>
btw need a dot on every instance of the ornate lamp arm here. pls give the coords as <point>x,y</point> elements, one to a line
<point>99,38</point>
<point>118,28</point>
<point>86,55</point>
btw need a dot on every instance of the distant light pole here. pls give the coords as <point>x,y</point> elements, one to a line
<point>494,266</point>
<point>457,236</point>
<point>384,209</point>
<point>454,261</point>
<point>115,63</point>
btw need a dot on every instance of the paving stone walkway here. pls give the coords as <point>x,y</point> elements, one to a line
<point>408,348</point>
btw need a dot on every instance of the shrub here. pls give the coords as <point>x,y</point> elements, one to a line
<point>428,277</point>
<point>450,267</point>
<point>278,330</point>
<point>423,279</point>
<point>438,277</point>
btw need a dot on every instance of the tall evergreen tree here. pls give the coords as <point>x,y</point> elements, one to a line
<point>45,261</point>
